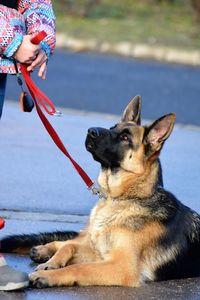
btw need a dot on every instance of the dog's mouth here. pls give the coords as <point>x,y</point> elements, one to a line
<point>89,144</point>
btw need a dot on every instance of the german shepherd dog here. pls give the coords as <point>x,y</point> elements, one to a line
<point>138,232</point>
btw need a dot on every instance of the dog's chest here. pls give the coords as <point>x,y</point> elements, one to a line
<point>100,228</point>
<point>105,218</point>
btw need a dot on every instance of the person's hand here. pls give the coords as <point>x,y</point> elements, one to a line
<point>41,62</point>
<point>27,51</point>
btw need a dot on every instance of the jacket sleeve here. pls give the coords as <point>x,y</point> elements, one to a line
<point>12,30</point>
<point>39,16</point>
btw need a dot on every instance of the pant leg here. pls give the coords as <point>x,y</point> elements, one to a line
<point>2,96</point>
<point>2,91</point>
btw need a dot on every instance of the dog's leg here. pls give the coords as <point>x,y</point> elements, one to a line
<point>117,270</point>
<point>65,254</point>
<point>43,253</point>
<point>60,258</point>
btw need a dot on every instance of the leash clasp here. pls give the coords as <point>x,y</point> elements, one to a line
<point>96,191</point>
<point>58,114</point>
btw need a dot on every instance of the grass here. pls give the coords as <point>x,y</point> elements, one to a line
<point>172,25</point>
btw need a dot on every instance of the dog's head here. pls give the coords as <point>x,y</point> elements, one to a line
<point>128,146</point>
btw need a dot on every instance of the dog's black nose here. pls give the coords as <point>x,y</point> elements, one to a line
<point>94,132</point>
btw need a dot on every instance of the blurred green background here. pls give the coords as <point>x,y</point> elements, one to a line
<point>172,23</point>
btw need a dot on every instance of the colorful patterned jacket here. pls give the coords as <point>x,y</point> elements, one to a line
<point>31,17</point>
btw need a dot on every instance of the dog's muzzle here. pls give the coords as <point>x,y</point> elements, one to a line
<point>93,136</point>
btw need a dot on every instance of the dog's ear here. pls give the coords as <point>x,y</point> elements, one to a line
<point>159,131</point>
<point>133,111</point>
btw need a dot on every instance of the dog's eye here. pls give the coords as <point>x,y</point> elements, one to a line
<point>124,137</point>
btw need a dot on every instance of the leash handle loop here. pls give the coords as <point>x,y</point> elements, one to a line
<point>42,98</point>
<point>38,37</point>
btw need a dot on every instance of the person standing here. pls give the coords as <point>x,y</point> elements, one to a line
<point>20,21</point>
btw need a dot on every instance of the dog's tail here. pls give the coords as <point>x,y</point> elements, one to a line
<point>22,244</point>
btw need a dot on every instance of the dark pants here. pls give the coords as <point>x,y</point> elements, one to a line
<point>2,96</point>
<point>2,91</point>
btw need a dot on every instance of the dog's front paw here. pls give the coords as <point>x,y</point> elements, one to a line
<point>40,254</point>
<point>47,266</point>
<point>39,279</point>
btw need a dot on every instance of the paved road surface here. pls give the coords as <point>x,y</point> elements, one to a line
<point>167,290</point>
<point>35,177</point>
<point>100,83</point>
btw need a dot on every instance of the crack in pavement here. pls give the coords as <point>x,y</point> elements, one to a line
<point>42,216</point>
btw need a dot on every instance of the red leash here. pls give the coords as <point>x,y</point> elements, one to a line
<point>45,102</point>
<point>2,223</point>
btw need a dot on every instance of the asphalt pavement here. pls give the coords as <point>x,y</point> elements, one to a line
<point>99,83</point>
<point>37,177</point>
<point>40,191</point>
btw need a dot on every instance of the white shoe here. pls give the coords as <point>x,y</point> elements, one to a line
<point>10,278</point>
